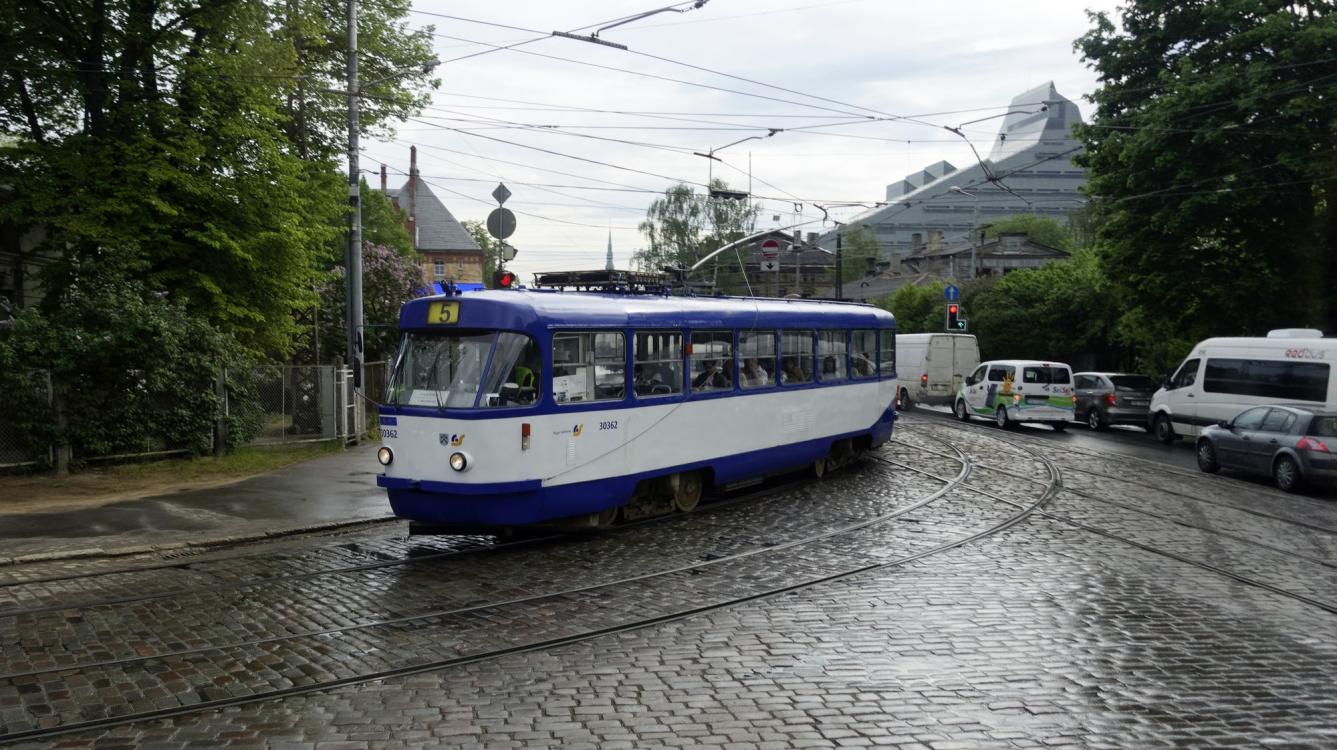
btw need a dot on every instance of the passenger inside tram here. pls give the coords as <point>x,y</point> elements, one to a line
<point>753,375</point>
<point>791,372</point>
<point>711,377</point>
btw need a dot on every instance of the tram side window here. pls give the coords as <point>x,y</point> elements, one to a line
<point>756,359</point>
<point>887,354</point>
<point>588,366</point>
<point>831,354</point>
<point>796,357</point>
<point>863,354</point>
<point>712,361</point>
<point>658,363</point>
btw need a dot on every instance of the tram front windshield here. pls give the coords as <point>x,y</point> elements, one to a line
<point>465,370</point>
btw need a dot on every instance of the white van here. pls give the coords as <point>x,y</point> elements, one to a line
<point>1018,390</point>
<point>930,367</point>
<point>1223,377</point>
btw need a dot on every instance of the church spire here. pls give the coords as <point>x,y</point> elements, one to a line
<point>608,264</point>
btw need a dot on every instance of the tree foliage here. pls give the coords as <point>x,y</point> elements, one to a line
<point>1212,153</point>
<point>491,247</point>
<point>389,279</point>
<point>918,309</point>
<point>683,226</point>
<point>1041,229</point>
<point>859,253</point>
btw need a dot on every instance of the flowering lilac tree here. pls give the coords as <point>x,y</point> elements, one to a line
<point>389,279</point>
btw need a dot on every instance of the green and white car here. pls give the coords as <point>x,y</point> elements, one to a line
<point>1018,390</point>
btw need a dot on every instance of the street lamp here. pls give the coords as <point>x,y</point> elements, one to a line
<point>975,220</point>
<point>710,174</point>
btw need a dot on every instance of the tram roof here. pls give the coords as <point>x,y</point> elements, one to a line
<point>520,309</point>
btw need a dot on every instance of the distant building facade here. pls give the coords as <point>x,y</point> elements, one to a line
<point>1033,155</point>
<point>447,251</point>
<point>994,257</point>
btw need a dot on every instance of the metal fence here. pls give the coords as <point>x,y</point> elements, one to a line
<point>278,404</point>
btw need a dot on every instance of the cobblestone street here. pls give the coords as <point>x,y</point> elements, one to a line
<point>961,587</point>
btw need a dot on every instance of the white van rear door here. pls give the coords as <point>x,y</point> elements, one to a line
<point>940,365</point>
<point>966,356</point>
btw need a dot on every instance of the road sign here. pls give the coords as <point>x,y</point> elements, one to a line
<point>506,252</point>
<point>501,193</point>
<point>770,248</point>
<point>770,265</point>
<point>501,223</point>
<point>951,293</point>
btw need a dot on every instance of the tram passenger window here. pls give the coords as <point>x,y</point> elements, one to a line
<point>831,354</point>
<point>863,354</point>
<point>796,355</point>
<point>886,358</point>
<point>514,377</point>
<point>756,359</point>
<point>657,363</point>
<point>712,361</point>
<point>588,367</point>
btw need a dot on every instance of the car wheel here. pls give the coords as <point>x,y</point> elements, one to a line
<point>1207,457</point>
<point>1000,418</point>
<point>1165,432</point>
<point>905,404</point>
<point>1286,474</point>
<point>1094,420</point>
<point>961,412</point>
<point>1060,426</point>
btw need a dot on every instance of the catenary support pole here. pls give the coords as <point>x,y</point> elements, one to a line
<point>353,255</point>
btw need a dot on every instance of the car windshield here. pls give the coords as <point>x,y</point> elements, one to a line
<point>1132,383</point>
<point>1323,426</point>
<point>1046,375</point>
<point>446,369</point>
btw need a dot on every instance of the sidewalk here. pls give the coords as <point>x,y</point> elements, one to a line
<point>333,490</point>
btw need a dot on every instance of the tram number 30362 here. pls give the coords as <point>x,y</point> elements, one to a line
<point>608,425</point>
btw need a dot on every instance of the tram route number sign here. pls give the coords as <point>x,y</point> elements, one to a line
<point>443,313</point>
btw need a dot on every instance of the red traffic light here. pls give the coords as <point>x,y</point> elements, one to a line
<point>503,279</point>
<point>952,309</point>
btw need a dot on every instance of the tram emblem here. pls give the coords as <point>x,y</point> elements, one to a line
<point>575,431</point>
<point>451,440</point>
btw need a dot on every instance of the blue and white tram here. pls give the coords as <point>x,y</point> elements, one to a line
<point>519,407</point>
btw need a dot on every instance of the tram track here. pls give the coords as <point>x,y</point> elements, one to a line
<point>1224,484</point>
<point>1327,606</point>
<point>584,597</point>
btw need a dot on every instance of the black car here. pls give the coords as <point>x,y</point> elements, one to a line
<point>1293,444</point>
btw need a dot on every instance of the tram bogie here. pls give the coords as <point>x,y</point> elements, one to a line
<point>538,408</point>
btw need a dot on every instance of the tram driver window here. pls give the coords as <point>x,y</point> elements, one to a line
<point>796,354</point>
<point>712,361</point>
<point>886,358</point>
<point>588,367</point>
<point>515,374</point>
<point>657,369</point>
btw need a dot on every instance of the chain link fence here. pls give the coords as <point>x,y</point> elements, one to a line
<point>267,406</point>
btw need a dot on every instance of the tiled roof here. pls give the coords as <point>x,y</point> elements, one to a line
<point>438,230</point>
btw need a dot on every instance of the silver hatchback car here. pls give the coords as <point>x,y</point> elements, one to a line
<point>1293,444</point>
<point>1106,398</point>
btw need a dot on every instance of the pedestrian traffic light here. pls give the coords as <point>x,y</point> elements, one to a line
<point>954,317</point>
<point>503,279</point>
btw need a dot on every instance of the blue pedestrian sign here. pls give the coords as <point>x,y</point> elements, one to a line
<point>951,293</point>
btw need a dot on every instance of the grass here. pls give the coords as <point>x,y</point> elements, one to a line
<point>98,484</point>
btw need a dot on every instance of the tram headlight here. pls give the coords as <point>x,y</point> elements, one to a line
<point>385,455</point>
<point>459,461</point>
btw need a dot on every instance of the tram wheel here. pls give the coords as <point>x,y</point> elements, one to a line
<point>819,468</point>
<point>608,517</point>
<point>687,492</point>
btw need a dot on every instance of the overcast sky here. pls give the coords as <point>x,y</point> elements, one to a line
<point>842,61</point>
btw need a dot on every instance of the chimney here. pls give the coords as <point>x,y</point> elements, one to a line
<point>916,242</point>
<point>812,239</point>
<point>413,196</point>
<point>383,178</point>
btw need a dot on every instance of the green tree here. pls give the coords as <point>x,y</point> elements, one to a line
<point>491,246</point>
<point>918,309</point>
<point>859,252</point>
<point>1211,154</point>
<point>683,226</point>
<point>382,224</point>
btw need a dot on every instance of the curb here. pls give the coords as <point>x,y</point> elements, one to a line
<point>143,549</point>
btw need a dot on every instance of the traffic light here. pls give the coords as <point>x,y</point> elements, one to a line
<point>503,279</point>
<point>953,317</point>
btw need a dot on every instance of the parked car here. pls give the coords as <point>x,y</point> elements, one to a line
<point>930,367</point>
<point>1291,443</point>
<point>1222,377</point>
<point>1018,390</point>
<point>1106,398</point>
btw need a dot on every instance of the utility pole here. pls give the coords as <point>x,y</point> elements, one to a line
<point>353,255</point>
<point>840,267</point>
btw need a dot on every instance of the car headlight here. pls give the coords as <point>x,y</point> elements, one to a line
<point>385,455</point>
<point>459,461</point>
